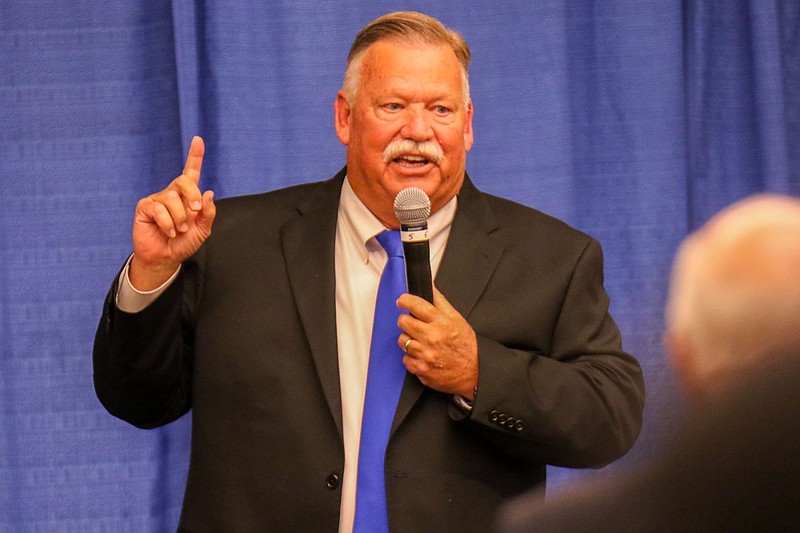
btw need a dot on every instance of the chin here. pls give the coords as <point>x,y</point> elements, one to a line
<point>426,183</point>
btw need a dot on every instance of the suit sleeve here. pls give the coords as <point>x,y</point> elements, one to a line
<point>575,402</point>
<point>142,361</point>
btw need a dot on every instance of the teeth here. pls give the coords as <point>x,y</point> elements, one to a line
<point>415,158</point>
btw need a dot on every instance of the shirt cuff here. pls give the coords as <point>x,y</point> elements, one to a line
<point>131,300</point>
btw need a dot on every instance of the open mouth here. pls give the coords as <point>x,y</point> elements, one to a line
<point>413,155</point>
<point>411,161</point>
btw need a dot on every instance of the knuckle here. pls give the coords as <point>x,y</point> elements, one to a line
<point>144,203</point>
<point>171,194</point>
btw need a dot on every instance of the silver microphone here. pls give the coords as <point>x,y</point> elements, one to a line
<point>412,207</point>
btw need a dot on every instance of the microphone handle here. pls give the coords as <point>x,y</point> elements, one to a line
<point>418,269</point>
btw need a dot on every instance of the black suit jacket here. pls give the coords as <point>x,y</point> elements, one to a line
<point>246,338</point>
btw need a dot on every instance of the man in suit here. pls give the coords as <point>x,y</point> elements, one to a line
<point>732,333</point>
<point>262,328</point>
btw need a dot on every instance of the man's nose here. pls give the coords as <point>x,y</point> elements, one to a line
<point>417,125</point>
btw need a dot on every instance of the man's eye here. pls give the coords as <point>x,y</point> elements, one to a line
<point>441,110</point>
<point>392,107</point>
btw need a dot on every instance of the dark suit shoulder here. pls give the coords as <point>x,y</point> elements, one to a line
<point>277,206</point>
<point>514,222</point>
<point>256,205</point>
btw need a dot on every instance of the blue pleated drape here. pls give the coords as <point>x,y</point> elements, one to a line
<point>634,120</point>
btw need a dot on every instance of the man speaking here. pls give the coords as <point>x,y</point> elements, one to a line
<point>323,394</point>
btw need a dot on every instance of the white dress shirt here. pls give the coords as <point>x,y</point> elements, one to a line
<point>359,263</point>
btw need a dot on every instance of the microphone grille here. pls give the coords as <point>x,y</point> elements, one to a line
<point>412,206</point>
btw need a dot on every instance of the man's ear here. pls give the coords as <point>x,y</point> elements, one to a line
<point>468,135</point>
<point>341,112</point>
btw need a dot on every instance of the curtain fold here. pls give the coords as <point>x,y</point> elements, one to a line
<point>88,124</point>
<point>187,19</point>
<point>634,120</point>
<point>740,104</point>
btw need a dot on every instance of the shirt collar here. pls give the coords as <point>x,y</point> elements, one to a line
<point>360,225</point>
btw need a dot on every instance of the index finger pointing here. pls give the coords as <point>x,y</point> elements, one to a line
<point>194,161</point>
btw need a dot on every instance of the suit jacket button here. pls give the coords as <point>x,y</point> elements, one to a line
<point>493,415</point>
<point>332,481</point>
<point>519,425</point>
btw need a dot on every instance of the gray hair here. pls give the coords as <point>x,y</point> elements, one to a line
<point>407,27</point>
<point>735,288</point>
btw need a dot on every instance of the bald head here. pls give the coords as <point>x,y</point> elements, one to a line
<point>735,290</point>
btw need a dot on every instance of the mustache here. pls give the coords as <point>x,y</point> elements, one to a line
<point>428,149</point>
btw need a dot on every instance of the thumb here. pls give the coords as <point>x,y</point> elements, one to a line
<point>440,301</point>
<point>207,213</point>
<point>445,307</point>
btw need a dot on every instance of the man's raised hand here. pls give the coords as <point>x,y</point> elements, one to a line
<point>170,225</point>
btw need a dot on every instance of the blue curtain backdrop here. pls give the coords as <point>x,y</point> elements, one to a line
<point>634,120</point>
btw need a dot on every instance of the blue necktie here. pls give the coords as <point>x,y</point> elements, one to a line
<point>384,381</point>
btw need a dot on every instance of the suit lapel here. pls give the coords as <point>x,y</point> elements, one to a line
<point>469,260</point>
<point>471,255</point>
<point>309,247</point>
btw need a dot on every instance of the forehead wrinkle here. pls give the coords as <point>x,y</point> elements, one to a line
<point>444,85</point>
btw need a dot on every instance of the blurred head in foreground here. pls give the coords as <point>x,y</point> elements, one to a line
<point>735,292</point>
